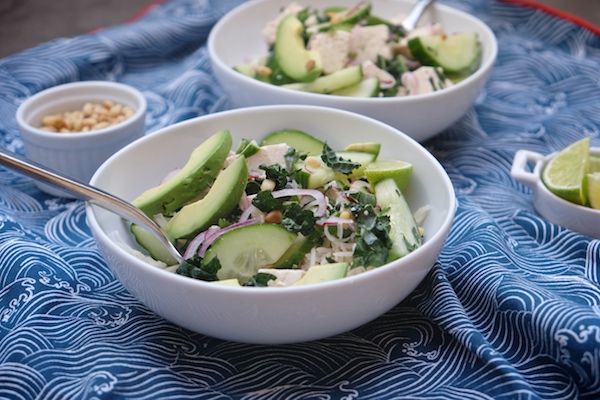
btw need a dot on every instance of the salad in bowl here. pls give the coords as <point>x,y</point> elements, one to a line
<point>342,299</point>
<point>288,210</point>
<point>351,51</point>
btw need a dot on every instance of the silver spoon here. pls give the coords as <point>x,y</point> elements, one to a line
<point>87,192</point>
<point>410,22</point>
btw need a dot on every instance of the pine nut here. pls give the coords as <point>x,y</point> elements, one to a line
<point>92,116</point>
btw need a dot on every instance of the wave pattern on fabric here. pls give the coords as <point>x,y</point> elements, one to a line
<point>511,309</point>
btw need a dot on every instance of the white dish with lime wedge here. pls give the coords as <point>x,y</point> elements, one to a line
<point>579,218</point>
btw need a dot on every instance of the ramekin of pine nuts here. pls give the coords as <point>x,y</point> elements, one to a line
<point>73,128</point>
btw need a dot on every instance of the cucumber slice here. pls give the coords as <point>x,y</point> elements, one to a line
<point>458,53</point>
<point>302,142</point>
<point>366,88</point>
<point>152,245</point>
<point>404,231</point>
<point>298,249</point>
<point>332,82</point>
<point>312,178</point>
<point>248,148</point>
<point>243,251</point>
<point>246,69</point>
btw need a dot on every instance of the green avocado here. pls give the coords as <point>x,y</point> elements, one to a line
<point>291,54</point>
<point>219,202</point>
<point>323,273</point>
<point>197,174</point>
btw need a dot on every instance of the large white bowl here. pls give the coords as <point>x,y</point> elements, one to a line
<point>236,38</point>
<point>270,315</point>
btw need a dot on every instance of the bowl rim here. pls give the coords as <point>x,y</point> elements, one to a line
<point>58,90</point>
<point>435,239</point>
<point>486,64</point>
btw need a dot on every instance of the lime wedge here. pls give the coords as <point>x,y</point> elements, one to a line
<point>593,186</point>
<point>398,170</point>
<point>565,172</point>
<point>594,163</point>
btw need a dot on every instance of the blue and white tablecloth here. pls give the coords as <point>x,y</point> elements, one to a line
<point>510,311</point>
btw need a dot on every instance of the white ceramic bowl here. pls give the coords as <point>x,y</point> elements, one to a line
<point>78,155</point>
<point>270,315</point>
<point>555,209</point>
<point>236,38</point>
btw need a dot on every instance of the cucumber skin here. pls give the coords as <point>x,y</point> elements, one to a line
<point>405,232</point>
<point>296,252</point>
<point>424,55</point>
<point>365,88</point>
<point>152,245</point>
<point>300,141</point>
<point>329,83</point>
<point>271,238</point>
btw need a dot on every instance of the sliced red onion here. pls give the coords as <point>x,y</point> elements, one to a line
<point>194,245</point>
<point>246,213</point>
<point>218,232</point>
<point>335,221</point>
<point>318,195</point>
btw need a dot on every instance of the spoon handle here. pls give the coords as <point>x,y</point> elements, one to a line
<point>86,192</point>
<point>410,22</point>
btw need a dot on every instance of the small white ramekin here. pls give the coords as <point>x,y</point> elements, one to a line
<point>559,211</point>
<point>78,155</point>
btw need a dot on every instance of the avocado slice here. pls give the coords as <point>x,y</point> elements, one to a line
<point>219,202</point>
<point>291,54</point>
<point>366,147</point>
<point>197,174</point>
<point>323,273</point>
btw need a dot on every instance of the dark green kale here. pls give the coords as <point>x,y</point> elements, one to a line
<point>364,198</point>
<point>292,156</point>
<point>260,280</point>
<point>372,239</point>
<point>193,268</point>
<point>338,164</point>
<point>265,202</point>
<point>297,220</point>
<point>278,174</point>
<point>252,187</point>
<point>396,67</point>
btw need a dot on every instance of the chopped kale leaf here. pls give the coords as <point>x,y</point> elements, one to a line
<point>372,239</point>
<point>265,202</point>
<point>193,268</point>
<point>338,164</point>
<point>297,220</point>
<point>260,280</point>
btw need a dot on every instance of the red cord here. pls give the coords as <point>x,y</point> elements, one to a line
<point>558,13</point>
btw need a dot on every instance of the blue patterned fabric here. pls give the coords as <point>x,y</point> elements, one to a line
<point>511,310</point>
